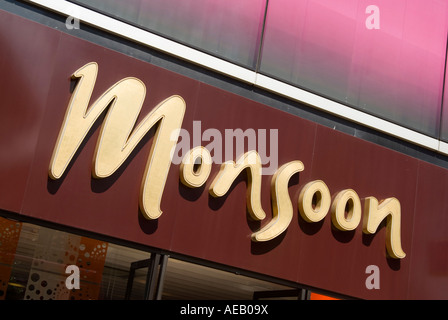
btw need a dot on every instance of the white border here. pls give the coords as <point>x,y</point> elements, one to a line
<point>146,38</point>
<point>346,112</point>
<point>135,34</point>
<point>443,147</point>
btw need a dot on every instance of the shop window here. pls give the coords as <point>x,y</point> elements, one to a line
<point>34,263</point>
<point>9,238</point>
<point>228,29</point>
<point>188,281</point>
<point>394,72</point>
<point>41,258</point>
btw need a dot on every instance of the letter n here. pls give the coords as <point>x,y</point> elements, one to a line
<point>375,213</point>
<point>117,138</point>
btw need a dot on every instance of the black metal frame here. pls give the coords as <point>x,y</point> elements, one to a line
<point>155,276</point>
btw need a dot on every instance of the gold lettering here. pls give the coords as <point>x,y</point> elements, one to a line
<point>230,170</point>
<point>188,175</point>
<point>314,201</point>
<point>116,141</point>
<point>282,209</point>
<point>346,210</point>
<point>375,213</point>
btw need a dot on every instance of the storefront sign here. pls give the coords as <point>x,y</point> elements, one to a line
<point>120,135</point>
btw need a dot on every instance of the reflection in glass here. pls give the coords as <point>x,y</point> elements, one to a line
<point>444,131</point>
<point>394,72</point>
<point>228,29</point>
<point>34,261</point>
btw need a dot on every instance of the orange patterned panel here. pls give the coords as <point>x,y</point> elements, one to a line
<point>91,259</point>
<point>55,251</point>
<point>9,238</point>
<point>316,296</point>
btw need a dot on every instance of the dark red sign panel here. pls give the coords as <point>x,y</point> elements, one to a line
<point>37,63</point>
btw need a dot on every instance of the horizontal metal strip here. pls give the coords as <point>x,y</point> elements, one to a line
<point>443,147</point>
<point>141,36</point>
<point>221,66</point>
<point>346,112</point>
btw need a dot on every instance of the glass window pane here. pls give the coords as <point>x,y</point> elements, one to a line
<point>228,29</point>
<point>188,281</point>
<point>394,72</point>
<point>116,273</point>
<point>33,262</point>
<point>9,238</point>
<point>41,258</point>
<point>444,131</point>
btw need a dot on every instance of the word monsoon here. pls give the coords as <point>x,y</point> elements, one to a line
<point>117,140</point>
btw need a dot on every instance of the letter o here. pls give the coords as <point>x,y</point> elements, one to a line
<point>192,176</point>
<point>314,201</point>
<point>346,210</point>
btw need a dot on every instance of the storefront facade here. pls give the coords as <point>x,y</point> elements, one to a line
<point>95,135</point>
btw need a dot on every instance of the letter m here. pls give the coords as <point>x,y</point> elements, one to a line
<point>117,138</point>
